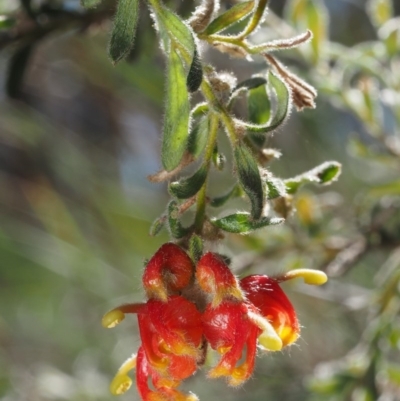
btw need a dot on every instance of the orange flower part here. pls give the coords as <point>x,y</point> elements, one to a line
<point>268,297</point>
<point>172,335</point>
<point>164,388</point>
<point>229,330</point>
<point>230,323</point>
<point>168,271</point>
<point>216,279</point>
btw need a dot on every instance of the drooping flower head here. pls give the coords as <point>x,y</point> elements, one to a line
<point>176,323</point>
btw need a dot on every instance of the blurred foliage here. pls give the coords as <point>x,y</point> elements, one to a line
<point>78,137</point>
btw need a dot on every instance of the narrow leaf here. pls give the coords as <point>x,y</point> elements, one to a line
<point>188,187</point>
<point>259,108</point>
<point>195,75</point>
<point>176,28</point>
<point>282,109</point>
<point>242,223</point>
<point>175,227</point>
<point>276,188</point>
<point>250,179</point>
<point>124,30</point>
<point>256,19</point>
<point>251,83</point>
<point>158,225</point>
<point>177,111</point>
<point>324,174</point>
<point>233,15</point>
<point>198,137</point>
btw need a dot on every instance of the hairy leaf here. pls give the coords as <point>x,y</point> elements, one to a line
<point>195,75</point>
<point>177,111</point>
<point>233,15</point>
<point>242,223</point>
<point>256,19</point>
<point>188,187</point>
<point>259,108</point>
<point>124,30</point>
<point>176,29</point>
<point>157,225</point>
<point>275,188</point>
<point>323,174</point>
<point>250,179</point>
<point>175,227</point>
<point>198,137</point>
<point>283,106</point>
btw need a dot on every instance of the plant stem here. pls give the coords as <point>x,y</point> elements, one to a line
<point>202,194</point>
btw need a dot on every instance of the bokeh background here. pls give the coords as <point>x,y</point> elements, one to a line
<point>78,136</point>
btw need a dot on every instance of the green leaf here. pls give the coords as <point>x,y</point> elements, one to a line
<point>251,83</point>
<point>195,248</point>
<point>250,179</point>
<point>158,225</point>
<point>177,30</point>
<point>324,174</point>
<point>195,75</point>
<point>259,108</point>
<point>177,112</point>
<point>276,188</point>
<point>90,3</point>
<point>124,30</point>
<point>256,19</point>
<point>175,227</point>
<point>282,109</point>
<point>236,191</point>
<point>233,15</point>
<point>198,137</point>
<point>188,187</point>
<point>242,223</point>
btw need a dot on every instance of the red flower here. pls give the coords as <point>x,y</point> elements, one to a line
<point>186,310</point>
<point>230,323</point>
<point>170,328</point>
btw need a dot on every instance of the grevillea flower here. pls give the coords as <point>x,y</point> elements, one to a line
<point>188,308</point>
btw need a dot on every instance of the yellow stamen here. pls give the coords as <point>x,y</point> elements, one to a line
<point>268,339</point>
<point>312,277</point>
<point>122,382</point>
<point>112,318</point>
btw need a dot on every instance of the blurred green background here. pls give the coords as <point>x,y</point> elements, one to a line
<point>78,137</point>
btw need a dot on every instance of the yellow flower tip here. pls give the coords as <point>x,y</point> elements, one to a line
<point>270,342</point>
<point>288,335</point>
<point>239,375</point>
<point>218,371</point>
<point>312,277</point>
<point>120,384</point>
<point>112,318</point>
<point>223,349</point>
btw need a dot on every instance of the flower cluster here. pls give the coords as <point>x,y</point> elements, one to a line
<point>192,307</point>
